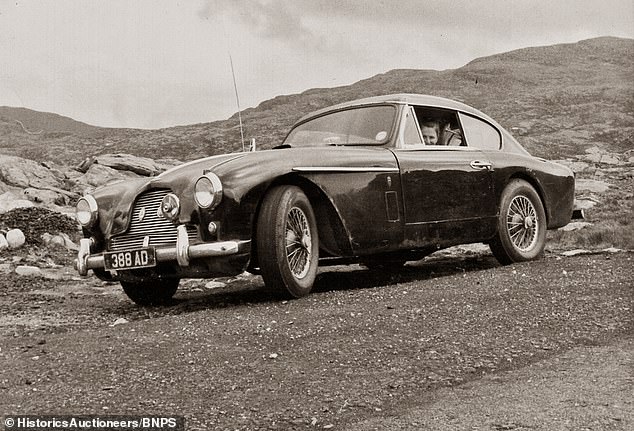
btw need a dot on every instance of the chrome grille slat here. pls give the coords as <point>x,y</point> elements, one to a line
<point>161,231</point>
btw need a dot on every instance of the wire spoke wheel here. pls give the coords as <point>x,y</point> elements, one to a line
<point>522,223</point>
<point>298,242</point>
<point>521,230</point>
<point>287,241</point>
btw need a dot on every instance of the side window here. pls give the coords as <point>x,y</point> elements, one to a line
<point>438,126</point>
<point>479,134</point>
<point>411,137</point>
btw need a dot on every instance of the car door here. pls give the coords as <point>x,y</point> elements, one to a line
<point>448,195</point>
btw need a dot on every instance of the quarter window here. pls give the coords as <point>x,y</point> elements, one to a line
<point>411,137</point>
<point>479,134</point>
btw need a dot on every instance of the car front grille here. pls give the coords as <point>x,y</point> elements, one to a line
<point>161,232</point>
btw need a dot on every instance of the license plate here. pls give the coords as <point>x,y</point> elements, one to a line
<point>130,259</point>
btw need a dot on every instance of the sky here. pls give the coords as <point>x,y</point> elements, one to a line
<point>161,63</point>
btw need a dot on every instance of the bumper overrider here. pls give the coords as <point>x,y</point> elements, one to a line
<point>182,253</point>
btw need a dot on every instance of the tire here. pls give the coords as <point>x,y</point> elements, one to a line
<point>287,242</point>
<point>521,230</point>
<point>152,292</point>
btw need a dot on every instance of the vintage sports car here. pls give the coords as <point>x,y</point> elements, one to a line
<point>378,181</point>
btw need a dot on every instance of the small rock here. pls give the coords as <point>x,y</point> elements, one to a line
<point>612,250</point>
<point>584,204</point>
<point>610,159</point>
<point>120,321</point>
<point>59,240</point>
<point>575,252</point>
<point>69,243</point>
<point>15,238</point>
<point>273,356</point>
<point>214,284</point>
<point>3,242</point>
<point>594,186</point>
<point>56,240</point>
<point>577,225</point>
<point>28,271</point>
<point>5,268</point>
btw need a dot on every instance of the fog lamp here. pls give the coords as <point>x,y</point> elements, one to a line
<point>170,206</point>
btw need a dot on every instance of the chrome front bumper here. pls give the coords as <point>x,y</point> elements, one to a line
<point>182,253</point>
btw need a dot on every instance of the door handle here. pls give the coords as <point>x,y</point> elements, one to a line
<point>478,164</point>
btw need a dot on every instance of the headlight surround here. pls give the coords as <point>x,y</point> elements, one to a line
<point>208,191</point>
<point>86,211</point>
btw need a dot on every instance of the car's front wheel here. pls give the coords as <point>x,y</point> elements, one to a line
<point>151,292</point>
<point>287,242</point>
<point>521,225</point>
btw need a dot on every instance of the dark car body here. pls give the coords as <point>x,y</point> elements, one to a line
<point>370,199</point>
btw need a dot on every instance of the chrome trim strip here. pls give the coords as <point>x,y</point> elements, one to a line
<point>418,223</point>
<point>343,169</point>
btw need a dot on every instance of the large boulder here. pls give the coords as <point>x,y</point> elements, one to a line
<point>46,197</point>
<point>12,200</point>
<point>23,173</point>
<point>127,162</point>
<point>98,175</point>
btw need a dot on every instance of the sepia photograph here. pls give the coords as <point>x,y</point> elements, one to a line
<point>345,215</point>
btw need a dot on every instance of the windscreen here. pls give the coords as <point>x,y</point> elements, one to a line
<point>370,125</point>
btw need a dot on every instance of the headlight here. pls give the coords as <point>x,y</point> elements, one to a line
<point>86,211</point>
<point>208,191</point>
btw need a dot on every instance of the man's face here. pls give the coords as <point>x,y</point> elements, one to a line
<point>429,135</point>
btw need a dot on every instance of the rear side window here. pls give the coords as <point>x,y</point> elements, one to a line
<point>479,134</point>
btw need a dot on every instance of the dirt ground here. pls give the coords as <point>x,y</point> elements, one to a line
<point>447,343</point>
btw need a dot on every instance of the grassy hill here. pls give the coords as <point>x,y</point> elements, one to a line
<point>560,99</point>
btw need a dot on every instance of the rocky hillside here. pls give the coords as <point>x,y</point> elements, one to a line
<point>558,100</point>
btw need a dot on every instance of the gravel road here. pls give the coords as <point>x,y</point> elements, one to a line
<point>429,347</point>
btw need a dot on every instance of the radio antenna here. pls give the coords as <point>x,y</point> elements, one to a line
<point>235,87</point>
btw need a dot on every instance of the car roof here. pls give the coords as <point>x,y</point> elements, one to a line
<point>403,98</point>
<point>509,142</point>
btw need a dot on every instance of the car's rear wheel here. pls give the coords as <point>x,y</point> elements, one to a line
<point>521,225</point>
<point>287,242</point>
<point>151,292</point>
